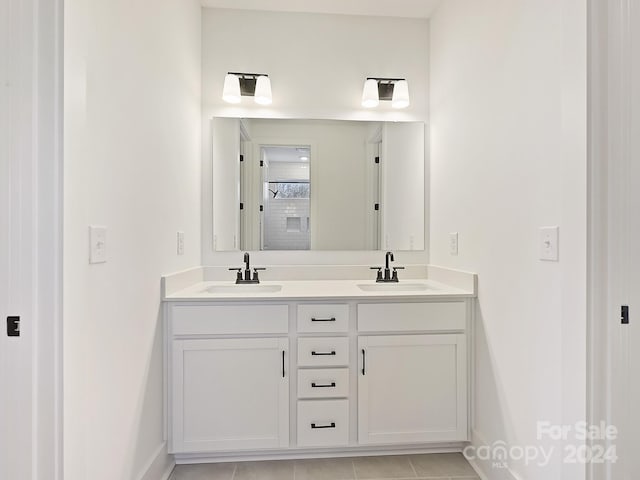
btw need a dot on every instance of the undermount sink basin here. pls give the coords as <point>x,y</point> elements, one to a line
<point>243,289</point>
<point>394,287</point>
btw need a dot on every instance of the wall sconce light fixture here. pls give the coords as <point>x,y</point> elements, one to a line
<point>256,85</point>
<point>394,89</point>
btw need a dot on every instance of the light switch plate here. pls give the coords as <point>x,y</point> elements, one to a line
<point>180,244</point>
<point>549,237</point>
<point>97,244</point>
<point>453,243</point>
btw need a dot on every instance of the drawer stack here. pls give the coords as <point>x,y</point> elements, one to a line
<point>323,375</point>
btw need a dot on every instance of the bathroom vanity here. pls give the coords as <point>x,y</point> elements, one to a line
<point>293,368</point>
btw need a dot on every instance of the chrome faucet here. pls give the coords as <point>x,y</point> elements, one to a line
<point>247,278</point>
<point>388,276</point>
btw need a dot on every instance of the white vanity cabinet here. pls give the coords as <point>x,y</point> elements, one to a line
<point>291,377</point>
<point>228,394</point>
<point>412,385</point>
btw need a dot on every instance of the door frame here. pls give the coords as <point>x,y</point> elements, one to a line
<point>259,143</point>
<point>35,96</point>
<point>609,156</point>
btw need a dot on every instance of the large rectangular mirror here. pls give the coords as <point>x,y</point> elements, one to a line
<point>282,184</point>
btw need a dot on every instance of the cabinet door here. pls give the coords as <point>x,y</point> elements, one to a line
<point>412,389</point>
<point>230,394</point>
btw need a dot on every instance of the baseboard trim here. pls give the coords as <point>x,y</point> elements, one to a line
<point>160,465</point>
<point>485,468</point>
<point>293,454</point>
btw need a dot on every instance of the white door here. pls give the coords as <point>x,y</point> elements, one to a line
<point>412,389</point>
<point>374,189</point>
<point>225,178</point>
<point>16,439</point>
<point>625,257</point>
<point>30,238</point>
<point>247,195</point>
<point>230,394</point>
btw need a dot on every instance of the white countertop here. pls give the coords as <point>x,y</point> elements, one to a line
<point>318,289</point>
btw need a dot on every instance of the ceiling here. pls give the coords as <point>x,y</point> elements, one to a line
<point>287,154</point>
<point>378,8</point>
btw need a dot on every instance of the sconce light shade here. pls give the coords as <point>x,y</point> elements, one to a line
<point>262,95</point>
<point>370,97</point>
<point>400,97</point>
<point>231,89</point>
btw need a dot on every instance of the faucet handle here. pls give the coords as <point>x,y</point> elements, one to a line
<point>379,274</point>
<point>238,275</point>
<point>255,273</point>
<point>394,277</point>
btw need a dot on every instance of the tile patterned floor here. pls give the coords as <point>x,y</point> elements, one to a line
<point>441,466</point>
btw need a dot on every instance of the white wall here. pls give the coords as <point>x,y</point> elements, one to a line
<point>132,164</point>
<point>403,186</point>
<point>508,118</point>
<point>317,64</point>
<point>225,156</point>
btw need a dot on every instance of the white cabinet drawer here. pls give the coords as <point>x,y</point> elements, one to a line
<point>229,319</point>
<point>323,423</point>
<point>323,352</point>
<point>323,383</point>
<point>403,317</point>
<point>323,318</point>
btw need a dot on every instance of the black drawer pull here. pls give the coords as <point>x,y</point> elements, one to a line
<point>323,385</point>
<point>332,319</point>
<point>332,425</point>
<point>315,354</point>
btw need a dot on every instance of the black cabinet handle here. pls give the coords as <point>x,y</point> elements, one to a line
<point>331,425</point>
<point>315,354</point>
<point>323,385</point>
<point>332,319</point>
<point>363,362</point>
<point>282,363</point>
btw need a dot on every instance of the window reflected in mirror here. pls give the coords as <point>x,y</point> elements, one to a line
<point>286,175</point>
